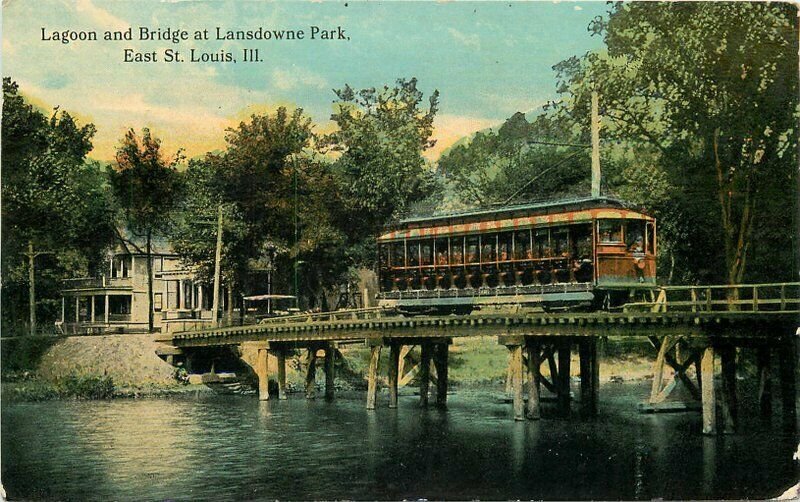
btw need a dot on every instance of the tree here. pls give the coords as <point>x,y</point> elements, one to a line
<point>380,138</point>
<point>713,87</point>
<point>147,186</point>
<point>53,199</point>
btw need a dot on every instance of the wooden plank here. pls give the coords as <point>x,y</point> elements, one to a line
<point>372,376</point>
<point>709,402</point>
<point>394,366</point>
<point>534,378</point>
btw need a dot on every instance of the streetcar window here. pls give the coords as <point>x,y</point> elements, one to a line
<point>398,254</point>
<point>412,248</point>
<point>504,247</point>
<point>489,247</point>
<point>610,231</point>
<point>634,236</point>
<point>426,248</point>
<point>560,241</point>
<point>473,255</point>
<point>441,251</point>
<point>383,255</point>
<point>541,244</point>
<point>651,238</point>
<point>582,241</point>
<point>522,245</point>
<point>456,250</point>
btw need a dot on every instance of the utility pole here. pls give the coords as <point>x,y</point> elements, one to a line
<point>595,145</point>
<point>31,254</point>
<point>217,259</point>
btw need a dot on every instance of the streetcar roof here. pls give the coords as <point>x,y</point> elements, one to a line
<point>517,216</point>
<point>543,207</point>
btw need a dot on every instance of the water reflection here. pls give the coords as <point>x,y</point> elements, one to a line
<point>229,447</point>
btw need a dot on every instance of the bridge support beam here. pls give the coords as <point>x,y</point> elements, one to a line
<point>728,402</point>
<point>516,379</point>
<point>394,370</point>
<point>533,411</point>
<point>709,401</point>
<point>262,372</point>
<point>424,373</point>
<point>562,384</point>
<point>789,377</point>
<point>590,376</point>
<point>330,370</point>
<point>441,362</point>
<point>372,376</point>
<point>764,381</point>
<point>281,357</point>
<point>311,373</point>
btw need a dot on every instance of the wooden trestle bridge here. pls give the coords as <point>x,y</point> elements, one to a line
<point>688,326</point>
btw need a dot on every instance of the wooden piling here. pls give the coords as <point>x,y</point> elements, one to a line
<point>516,378</point>
<point>764,381</point>
<point>564,360</point>
<point>262,371</point>
<point>788,377</point>
<point>372,376</point>
<point>440,360</point>
<point>424,372</point>
<point>394,367</point>
<point>728,402</point>
<point>589,376</point>
<point>330,370</point>
<point>709,403</point>
<point>281,356</point>
<point>534,379</point>
<point>311,374</point>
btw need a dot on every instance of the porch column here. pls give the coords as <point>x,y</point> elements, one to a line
<point>77,309</point>
<point>92,307</point>
<point>182,295</point>
<point>200,297</point>
<point>63,309</point>
<point>105,312</point>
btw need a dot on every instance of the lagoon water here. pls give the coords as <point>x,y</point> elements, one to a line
<point>225,447</point>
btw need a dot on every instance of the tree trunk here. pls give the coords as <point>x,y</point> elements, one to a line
<point>150,311</point>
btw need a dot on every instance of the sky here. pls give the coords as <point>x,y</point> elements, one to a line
<point>487,59</point>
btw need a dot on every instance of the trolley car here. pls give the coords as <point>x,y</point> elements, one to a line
<point>569,253</point>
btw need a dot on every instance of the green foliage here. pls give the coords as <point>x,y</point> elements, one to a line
<point>713,87</point>
<point>52,197</point>
<point>146,183</point>
<point>381,136</point>
<point>31,388</point>
<point>511,165</point>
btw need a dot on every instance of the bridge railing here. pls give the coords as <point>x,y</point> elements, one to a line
<point>336,315</point>
<point>770,297</point>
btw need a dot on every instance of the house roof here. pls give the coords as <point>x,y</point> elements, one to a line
<point>134,244</point>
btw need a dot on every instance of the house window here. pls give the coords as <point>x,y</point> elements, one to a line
<point>158,300</point>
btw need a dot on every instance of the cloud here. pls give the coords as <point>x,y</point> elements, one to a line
<point>286,80</point>
<point>464,39</point>
<point>447,129</point>
<point>100,16</point>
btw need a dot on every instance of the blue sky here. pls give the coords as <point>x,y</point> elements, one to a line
<point>487,59</point>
